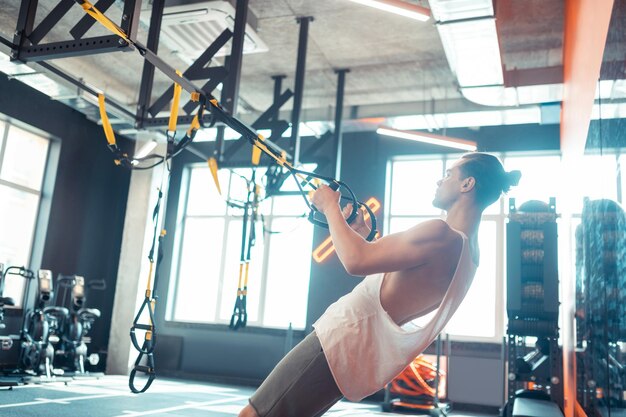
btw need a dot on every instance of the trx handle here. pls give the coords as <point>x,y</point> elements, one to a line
<point>373,228</point>
<point>145,369</point>
<point>149,328</point>
<point>334,185</point>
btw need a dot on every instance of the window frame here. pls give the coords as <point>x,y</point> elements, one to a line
<point>227,217</point>
<point>43,195</point>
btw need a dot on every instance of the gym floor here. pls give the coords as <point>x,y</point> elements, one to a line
<point>109,396</point>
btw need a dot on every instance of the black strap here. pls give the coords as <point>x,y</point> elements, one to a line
<point>148,369</point>
<point>149,302</point>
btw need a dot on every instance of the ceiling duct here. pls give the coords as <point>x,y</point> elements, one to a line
<point>468,32</point>
<point>189,29</point>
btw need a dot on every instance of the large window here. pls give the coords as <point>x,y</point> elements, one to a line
<point>23,157</point>
<point>482,315</point>
<point>208,254</point>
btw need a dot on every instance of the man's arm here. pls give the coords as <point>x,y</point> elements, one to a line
<point>360,225</point>
<point>395,252</point>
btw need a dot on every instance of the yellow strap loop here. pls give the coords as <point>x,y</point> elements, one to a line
<point>105,21</point>
<point>106,124</point>
<point>239,288</point>
<point>195,125</point>
<point>245,282</point>
<point>175,104</point>
<point>149,284</point>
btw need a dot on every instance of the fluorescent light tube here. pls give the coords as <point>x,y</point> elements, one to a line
<point>145,149</point>
<point>465,145</point>
<point>399,7</point>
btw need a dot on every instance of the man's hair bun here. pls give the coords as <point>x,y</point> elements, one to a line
<point>511,179</point>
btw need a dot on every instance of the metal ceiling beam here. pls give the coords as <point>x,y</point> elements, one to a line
<point>130,17</point>
<point>338,136</point>
<point>86,22</point>
<point>49,21</point>
<point>24,27</point>
<point>267,120</point>
<point>27,37</point>
<point>196,71</point>
<point>147,75</point>
<point>67,49</point>
<point>294,146</point>
<point>230,93</point>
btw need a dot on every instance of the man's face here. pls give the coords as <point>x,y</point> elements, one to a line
<point>448,188</point>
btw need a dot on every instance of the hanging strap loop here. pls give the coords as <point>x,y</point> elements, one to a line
<point>147,369</point>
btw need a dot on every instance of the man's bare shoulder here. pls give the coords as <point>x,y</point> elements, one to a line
<point>431,230</point>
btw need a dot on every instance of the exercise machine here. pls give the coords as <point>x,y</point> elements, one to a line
<point>601,308</point>
<point>40,323</point>
<point>535,374</point>
<point>71,349</point>
<point>417,389</point>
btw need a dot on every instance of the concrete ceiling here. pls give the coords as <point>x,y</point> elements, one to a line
<point>397,65</point>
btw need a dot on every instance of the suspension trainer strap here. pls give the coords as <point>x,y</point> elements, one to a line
<point>236,320</point>
<point>149,303</point>
<point>175,105</point>
<point>251,243</point>
<point>147,369</point>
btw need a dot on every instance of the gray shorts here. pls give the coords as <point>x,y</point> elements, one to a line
<point>301,385</point>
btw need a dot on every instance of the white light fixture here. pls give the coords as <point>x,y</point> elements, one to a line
<point>399,7</point>
<point>145,149</point>
<point>439,140</point>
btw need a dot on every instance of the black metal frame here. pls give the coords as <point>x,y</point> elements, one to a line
<point>299,85</point>
<point>27,37</point>
<point>27,47</point>
<point>539,318</point>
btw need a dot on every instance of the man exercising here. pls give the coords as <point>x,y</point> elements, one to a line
<point>360,344</point>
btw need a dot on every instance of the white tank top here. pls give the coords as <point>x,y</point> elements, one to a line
<point>365,348</point>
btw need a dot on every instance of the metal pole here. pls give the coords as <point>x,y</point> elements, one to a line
<point>130,18</point>
<point>230,93</point>
<point>147,77</point>
<point>24,27</point>
<point>278,88</point>
<point>338,136</point>
<point>299,87</point>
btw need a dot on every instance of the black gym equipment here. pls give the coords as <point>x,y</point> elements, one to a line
<point>601,308</point>
<point>9,352</point>
<point>40,324</point>
<point>74,323</point>
<point>4,301</point>
<point>416,389</point>
<point>535,376</point>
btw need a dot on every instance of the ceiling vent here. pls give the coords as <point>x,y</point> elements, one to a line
<point>189,29</point>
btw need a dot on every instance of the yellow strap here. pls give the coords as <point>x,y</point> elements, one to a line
<point>175,105</point>
<point>195,125</point>
<point>148,285</point>
<point>213,166</point>
<point>256,152</point>
<point>106,124</point>
<point>105,21</point>
<point>240,276</point>
<point>245,282</point>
